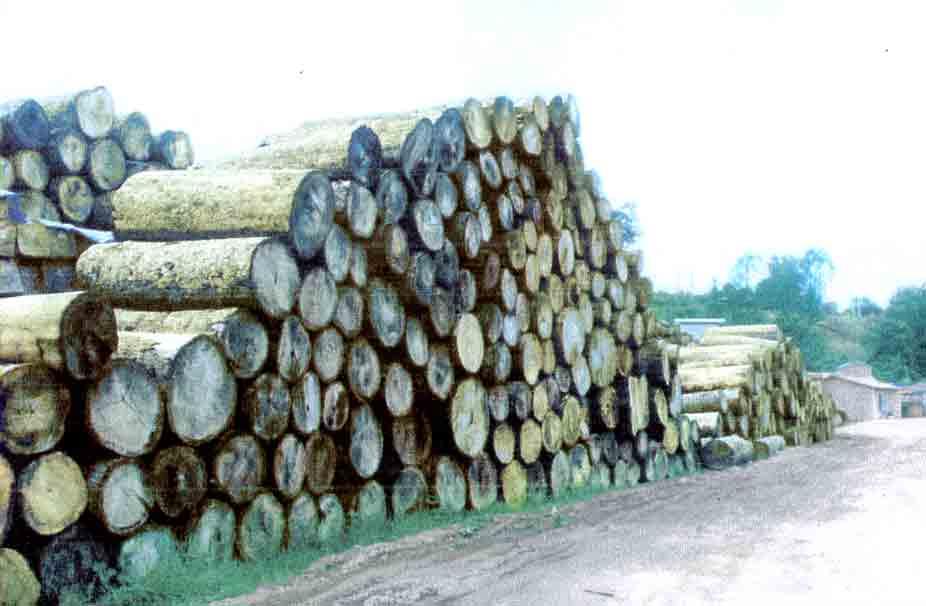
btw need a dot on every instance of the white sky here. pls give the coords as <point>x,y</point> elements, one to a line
<point>767,126</point>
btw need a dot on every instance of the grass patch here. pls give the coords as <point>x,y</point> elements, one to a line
<point>187,582</point>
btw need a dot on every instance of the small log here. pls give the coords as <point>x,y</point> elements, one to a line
<point>560,474</point>
<point>335,407</point>
<point>36,404</point>
<point>497,402</point>
<point>409,492</point>
<point>30,169</point>
<point>173,148</point>
<point>569,336</point>
<point>468,180</point>
<point>349,312</point>
<point>485,221</point>
<point>178,479</point>
<point>466,234</point>
<point>476,124</point>
<point>332,520</point>
<point>530,441</point>
<point>395,251</point>
<point>134,136</point>
<point>74,197</point>
<point>412,439</point>
<point>508,163</point>
<point>294,350</point>
<point>530,137</point>
<point>18,582</point>
<point>450,485</point>
<point>386,313</point>
<point>321,457</point>
<point>581,376</point>
<point>572,420</point>
<point>602,357</point>
<point>398,390</point>
<point>363,370</point>
<point>210,533</point>
<point>366,441</point>
<point>489,169</point>
<point>441,311</point>
<point>503,443</point>
<point>447,265</point>
<point>337,251</point>
<point>469,419</point>
<point>416,342</point>
<point>769,332</point>
<point>306,398</point>
<point>605,408</point>
<point>318,299</point>
<point>328,354</point>
<point>119,495</point>
<point>391,197</point>
<point>466,292</point>
<point>145,552</point>
<point>716,400</point>
<point>482,482</point>
<point>368,506</point>
<point>540,400</point>
<point>23,125</point>
<point>289,465</point>
<point>551,431</point>
<point>468,343</point>
<point>106,167</point>
<point>514,484</point>
<point>446,195</point>
<point>491,273</point>
<point>261,530</point>
<point>239,468</point>
<point>52,493</point>
<point>420,277</point>
<point>519,395</point>
<point>267,406</point>
<point>427,225</point>
<point>439,372</point>
<point>581,466</point>
<point>362,211</point>
<point>418,158</point>
<point>549,357</point>
<point>720,453</point>
<point>497,363</point>
<point>659,406</point>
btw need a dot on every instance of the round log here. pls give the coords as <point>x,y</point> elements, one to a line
<point>294,350</point>
<point>30,169</point>
<point>572,420</point>
<point>439,372</point>
<point>420,277</point>
<point>468,417</point>
<point>409,492</point>
<point>387,314</point>
<point>442,312</point>
<point>335,407</point>
<point>503,443</point>
<point>412,439</point>
<point>466,234</point>
<point>605,408</point>
<point>52,493</point>
<point>581,376</point>
<point>418,158</point>
<point>552,433</point>
<point>427,224</point>
<point>482,482</point>
<point>178,480</point>
<point>267,405</point>
<point>35,410</point>
<point>239,468</point>
<point>75,561</point>
<point>328,354</point>
<point>289,465</point>
<point>18,583</point>
<point>106,168</point>
<point>560,474</point>
<point>727,451</point>
<point>497,402</point>
<point>318,298</point>
<point>172,148</point>
<point>119,495</point>
<point>261,529</point>
<point>210,533</point>
<point>391,197</point>
<point>581,466</point>
<point>602,357</point>
<point>358,265</point>
<point>416,342</point>
<point>332,520</point>
<point>447,265</point>
<point>25,125</point>
<point>349,312</point>
<point>449,485</point>
<point>514,484</point>
<point>446,195</point>
<point>450,139</point>
<point>321,456</point>
<point>306,398</point>
<point>337,251</point>
<point>366,441</point>
<point>497,363</point>
<point>569,335</point>
<point>363,370</point>
<point>530,441</point>
<point>468,343</point>
<point>398,390</point>
<point>368,506</point>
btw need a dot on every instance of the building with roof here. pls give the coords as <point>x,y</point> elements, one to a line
<point>859,393</point>
<point>913,400</point>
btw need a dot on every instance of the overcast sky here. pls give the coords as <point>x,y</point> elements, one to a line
<point>762,126</point>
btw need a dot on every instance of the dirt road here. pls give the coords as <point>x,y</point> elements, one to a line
<point>836,523</point>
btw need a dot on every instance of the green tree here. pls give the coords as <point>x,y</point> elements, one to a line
<point>896,344</point>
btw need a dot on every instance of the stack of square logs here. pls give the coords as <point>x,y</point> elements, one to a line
<point>441,313</point>
<point>66,156</point>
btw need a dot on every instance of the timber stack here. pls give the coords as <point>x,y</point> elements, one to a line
<point>440,312</point>
<point>66,156</point>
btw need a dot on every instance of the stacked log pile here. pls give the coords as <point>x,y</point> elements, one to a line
<point>66,156</point>
<point>750,381</point>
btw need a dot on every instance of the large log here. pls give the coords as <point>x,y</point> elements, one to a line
<point>73,332</point>
<point>75,561</point>
<point>18,583</point>
<point>172,148</point>
<point>261,529</point>
<point>239,468</point>
<point>210,533</point>
<point>120,495</point>
<point>724,377</point>
<point>469,419</point>
<point>716,400</point>
<point>125,412</point>
<point>449,485</point>
<point>482,482</point>
<point>34,407</point>
<point>144,552</point>
<point>720,453</point>
<point>409,492</point>
<point>179,480</point>
<point>24,124</point>
<point>239,272</point>
<point>52,493</point>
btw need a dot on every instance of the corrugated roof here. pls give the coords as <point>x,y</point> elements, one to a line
<point>866,381</point>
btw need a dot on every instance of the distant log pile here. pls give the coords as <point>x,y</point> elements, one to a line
<point>440,312</point>
<point>67,156</point>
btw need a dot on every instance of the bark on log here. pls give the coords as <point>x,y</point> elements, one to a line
<point>321,455</point>
<point>366,442</point>
<point>468,417</point>
<point>210,533</point>
<point>239,468</point>
<point>363,370</point>
<point>306,398</point>
<point>482,482</point>
<point>120,495</point>
<point>725,377</point>
<point>262,529</point>
<point>409,492</point>
<point>73,332</point>
<point>717,400</point>
<point>449,485</point>
<point>328,355</point>
<point>289,464</point>
<point>720,453</point>
<point>34,411</point>
<point>18,583</point>
<point>52,493</point>
<point>178,479</point>
<point>246,272</point>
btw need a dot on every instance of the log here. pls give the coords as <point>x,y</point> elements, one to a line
<point>398,390</point>
<point>7,484</point>
<point>210,533</point>
<point>426,225</point>
<point>302,523</point>
<point>418,158</point>
<point>368,507</point>
<point>90,111</point>
<point>519,395</point>
<point>503,443</point>
<point>466,234</point>
<point>446,195</point>
<point>491,272</point>
<point>391,197</point>
<point>531,358</point>
<point>145,552</point>
<point>120,495</point>
<point>450,485</point>
<point>332,519</point>
<point>30,169</point>
<point>716,400</point>
<point>581,466</point>
<point>366,441</point>
<point>530,441</point>
<point>412,440</point>
<point>420,277</point>
<point>37,241</point>
<point>605,408</point>
<point>172,148</point>
<point>75,561</point>
<point>466,293</point>
<point>261,529</point>
<point>335,407</point>
<point>485,221</point>
<point>386,313</point>
<point>572,420</point>
<point>409,492</point>
<point>289,465</point>
<point>293,349</point>
<point>52,493</point>
<point>725,355</point>
<point>18,583</point>
<point>306,398</point>
<point>637,398</point>
<point>482,482</point>
<point>439,372</point>
<point>489,169</point>
<point>514,484</point>
<point>659,406</point>
<point>36,404</point>
<point>72,332</point>
<point>441,311</point>
<point>416,342</point>
<point>328,354</point>
<point>337,251</point>
<point>246,272</point>
<point>720,453</point>
<point>134,136</point>
<point>602,357</point>
<point>581,376</point>
<point>708,423</point>
<point>540,400</point>
<point>106,168</point>
<point>239,468</point>
<point>74,197</point>
<point>179,480</point>
<point>321,455</point>
<point>469,420</point>
<point>447,265</point>
<point>560,474</point>
<point>24,124</point>
<point>497,402</point>
<point>769,332</point>
<point>569,336</point>
<point>724,377</point>
<point>363,370</point>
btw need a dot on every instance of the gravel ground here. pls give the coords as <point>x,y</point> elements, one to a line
<point>837,523</point>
